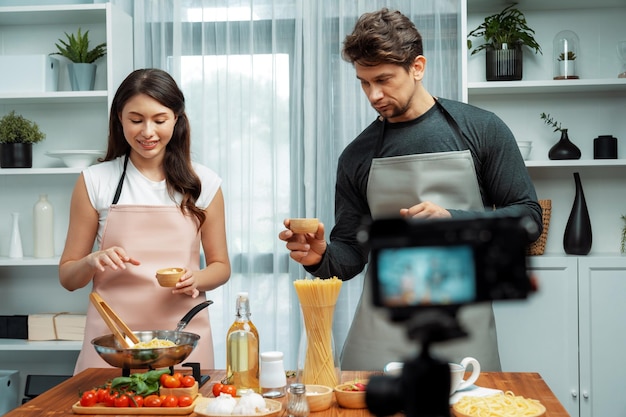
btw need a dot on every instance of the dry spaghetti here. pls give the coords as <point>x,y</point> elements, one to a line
<point>499,405</point>
<point>317,299</point>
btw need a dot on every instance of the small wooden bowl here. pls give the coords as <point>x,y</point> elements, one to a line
<point>304,225</point>
<point>350,399</point>
<point>319,397</point>
<point>168,277</point>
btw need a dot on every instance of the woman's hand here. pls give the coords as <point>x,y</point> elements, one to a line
<point>114,257</point>
<point>187,285</point>
<point>305,248</point>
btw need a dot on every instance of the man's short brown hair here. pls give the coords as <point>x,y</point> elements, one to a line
<point>383,37</point>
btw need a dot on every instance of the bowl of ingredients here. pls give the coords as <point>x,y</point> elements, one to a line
<point>351,394</point>
<point>319,397</point>
<point>168,277</point>
<point>304,225</point>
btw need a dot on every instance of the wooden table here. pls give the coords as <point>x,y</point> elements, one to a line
<point>58,401</point>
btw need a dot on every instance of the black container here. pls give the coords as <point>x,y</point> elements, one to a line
<point>504,64</point>
<point>605,147</point>
<point>16,155</point>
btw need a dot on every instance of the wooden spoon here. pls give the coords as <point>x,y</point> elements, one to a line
<point>114,322</point>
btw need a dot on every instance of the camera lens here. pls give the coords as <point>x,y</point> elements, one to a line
<point>384,395</point>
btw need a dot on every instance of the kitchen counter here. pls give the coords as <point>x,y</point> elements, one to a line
<point>58,401</point>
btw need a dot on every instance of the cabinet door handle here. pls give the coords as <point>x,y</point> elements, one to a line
<point>574,393</point>
<point>585,394</point>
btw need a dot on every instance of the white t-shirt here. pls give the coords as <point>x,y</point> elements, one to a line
<point>101,181</point>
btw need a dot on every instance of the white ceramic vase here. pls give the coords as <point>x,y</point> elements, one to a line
<point>15,247</point>
<point>43,228</point>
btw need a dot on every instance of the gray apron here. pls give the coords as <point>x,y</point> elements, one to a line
<point>449,180</point>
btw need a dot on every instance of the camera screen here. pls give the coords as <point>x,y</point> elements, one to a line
<point>426,275</point>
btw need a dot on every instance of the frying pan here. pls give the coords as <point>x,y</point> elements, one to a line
<point>111,350</point>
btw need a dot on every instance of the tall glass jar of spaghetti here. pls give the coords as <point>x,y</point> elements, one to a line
<point>318,357</point>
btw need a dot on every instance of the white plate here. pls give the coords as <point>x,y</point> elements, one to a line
<point>77,158</point>
<point>274,407</point>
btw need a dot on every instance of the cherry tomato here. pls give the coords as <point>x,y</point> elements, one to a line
<point>162,378</point>
<point>89,398</point>
<point>122,400</point>
<point>170,401</point>
<point>171,382</point>
<point>217,389</point>
<point>152,401</point>
<point>101,393</point>
<point>188,381</point>
<point>230,389</point>
<point>177,375</point>
<point>185,401</point>
<point>136,401</point>
<point>109,399</point>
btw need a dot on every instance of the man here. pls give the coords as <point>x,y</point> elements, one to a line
<point>423,157</point>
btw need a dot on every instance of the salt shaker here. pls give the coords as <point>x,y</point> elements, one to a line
<point>298,406</point>
<point>272,377</point>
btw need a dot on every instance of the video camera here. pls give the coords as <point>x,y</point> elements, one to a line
<point>422,272</point>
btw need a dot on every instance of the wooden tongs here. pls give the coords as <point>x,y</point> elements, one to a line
<point>119,329</point>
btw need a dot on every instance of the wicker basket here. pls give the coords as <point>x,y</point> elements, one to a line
<point>539,245</point>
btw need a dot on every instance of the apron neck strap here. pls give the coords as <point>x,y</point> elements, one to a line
<point>120,183</point>
<point>446,114</point>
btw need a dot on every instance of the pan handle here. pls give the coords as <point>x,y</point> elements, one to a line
<point>185,320</point>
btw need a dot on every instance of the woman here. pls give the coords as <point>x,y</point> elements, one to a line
<point>147,206</point>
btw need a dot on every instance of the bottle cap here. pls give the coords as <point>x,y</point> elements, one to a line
<point>271,356</point>
<point>297,388</point>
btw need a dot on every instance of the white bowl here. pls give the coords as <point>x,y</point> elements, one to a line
<point>525,148</point>
<point>77,159</point>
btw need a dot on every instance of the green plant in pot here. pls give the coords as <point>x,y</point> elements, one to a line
<point>564,148</point>
<point>17,135</point>
<point>504,35</point>
<point>82,67</point>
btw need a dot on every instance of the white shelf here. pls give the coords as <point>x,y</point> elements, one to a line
<point>43,345</point>
<point>29,261</point>
<point>52,15</point>
<point>573,163</point>
<point>40,171</point>
<point>611,85</point>
<point>52,97</point>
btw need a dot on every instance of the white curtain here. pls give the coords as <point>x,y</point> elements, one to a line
<point>272,105</point>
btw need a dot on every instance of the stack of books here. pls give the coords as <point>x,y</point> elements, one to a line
<point>56,326</point>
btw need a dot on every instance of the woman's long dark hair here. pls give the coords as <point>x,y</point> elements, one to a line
<point>179,174</point>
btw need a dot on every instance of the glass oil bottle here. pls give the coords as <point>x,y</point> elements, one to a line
<point>242,348</point>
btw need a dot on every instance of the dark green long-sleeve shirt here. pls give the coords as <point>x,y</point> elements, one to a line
<point>503,179</point>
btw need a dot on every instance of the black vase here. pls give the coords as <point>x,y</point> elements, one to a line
<point>504,64</point>
<point>577,237</point>
<point>564,148</point>
<point>16,155</point>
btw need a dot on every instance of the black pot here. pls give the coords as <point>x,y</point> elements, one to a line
<point>605,147</point>
<point>504,64</point>
<point>16,155</point>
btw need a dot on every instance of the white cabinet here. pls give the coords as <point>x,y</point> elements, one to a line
<point>567,331</point>
<point>570,332</point>
<point>70,120</point>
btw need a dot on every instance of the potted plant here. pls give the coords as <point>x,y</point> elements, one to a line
<point>564,148</point>
<point>504,35</point>
<point>82,67</point>
<point>17,136</point>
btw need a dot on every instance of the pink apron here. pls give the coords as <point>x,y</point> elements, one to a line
<point>159,237</point>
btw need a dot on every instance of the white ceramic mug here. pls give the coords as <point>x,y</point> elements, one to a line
<point>457,372</point>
